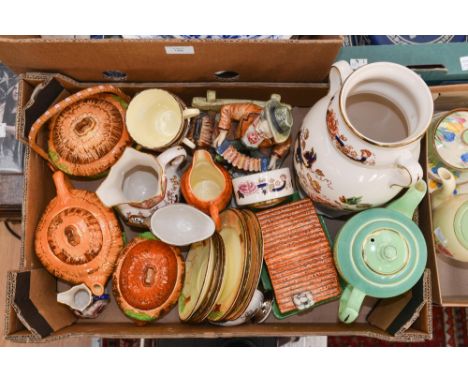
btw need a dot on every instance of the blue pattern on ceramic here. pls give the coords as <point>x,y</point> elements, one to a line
<point>464,158</point>
<point>415,39</point>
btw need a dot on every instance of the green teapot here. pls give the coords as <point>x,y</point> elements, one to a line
<point>380,252</point>
<point>450,218</point>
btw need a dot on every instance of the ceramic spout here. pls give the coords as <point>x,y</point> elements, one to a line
<point>78,298</point>
<point>109,193</point>
<point>408,203</point>
<point>444,193</point>
<point>61,185</point>
<point>338,73</point>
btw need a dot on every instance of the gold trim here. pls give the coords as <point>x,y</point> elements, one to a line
<point>432,129</point>
<point>359,134</point>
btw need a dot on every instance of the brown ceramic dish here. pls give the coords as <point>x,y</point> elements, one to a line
<point>148,279</point>
<point>298,256</point>
<point>78,239</point>
<point>87,131</point>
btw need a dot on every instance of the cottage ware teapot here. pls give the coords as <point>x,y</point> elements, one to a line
<point>450,218</point>
<point>359,145</point>
<point>380,252</point>
<point>138,184</point>
<point>87,131</point>
<point>78,239</point>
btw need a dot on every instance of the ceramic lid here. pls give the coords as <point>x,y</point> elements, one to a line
<point>450,138</point>
<point>88,136</point>
<point>460,224</point>
<point>381,252</point>
<point>148,278</point>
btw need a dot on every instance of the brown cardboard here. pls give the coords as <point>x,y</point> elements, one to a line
<point>39,191</point>
<point>146,60</point>
<point>449,277</point>
<point>35,303</point>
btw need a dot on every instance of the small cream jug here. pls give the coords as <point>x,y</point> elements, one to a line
<point>77,298</point>
<point>359,145</point>
<point>138,184</point>
<point>450,218</point>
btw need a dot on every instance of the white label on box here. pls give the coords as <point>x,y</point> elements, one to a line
<point>2,130</point>
<point>357,62</point>
<point>464,63</point>
<point>180,50</point>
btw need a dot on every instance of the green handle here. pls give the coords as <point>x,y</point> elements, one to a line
<point>350,304</point>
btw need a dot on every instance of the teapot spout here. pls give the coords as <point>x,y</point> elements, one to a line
<point>446,191</point>
<point>407,203</point>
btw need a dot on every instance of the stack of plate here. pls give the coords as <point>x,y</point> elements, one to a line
<point>222,272</point>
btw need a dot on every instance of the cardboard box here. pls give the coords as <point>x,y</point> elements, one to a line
<point>294,69</point>
<point>436,63</point>
<point>449,277</point>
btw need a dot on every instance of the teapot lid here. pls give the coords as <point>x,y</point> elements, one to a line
<point>88,136</point>
<point>450,139</point>
<point>460,224</point>
<point>381,252</point>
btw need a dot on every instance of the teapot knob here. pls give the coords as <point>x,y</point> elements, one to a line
<point>389,252</point>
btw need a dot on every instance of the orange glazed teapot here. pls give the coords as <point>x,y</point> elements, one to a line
<point>78,239</point>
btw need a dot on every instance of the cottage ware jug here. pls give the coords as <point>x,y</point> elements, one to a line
<point>380,252</point>
<point>207,185</point>
<point>359,145</point>
<point>138,184</point>
<point>87,131</point>
<point>78,239</point>
<point>450,218</point>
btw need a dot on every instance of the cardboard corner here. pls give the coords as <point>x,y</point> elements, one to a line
<point>35,303</point>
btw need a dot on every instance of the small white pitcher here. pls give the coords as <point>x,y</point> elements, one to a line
<point>138,184</point>
<point>77,298</point>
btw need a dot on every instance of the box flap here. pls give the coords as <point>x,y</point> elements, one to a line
<point>395,315</point>
<point>435,63</point>
<point>161,60</point>
<point>35,303</point>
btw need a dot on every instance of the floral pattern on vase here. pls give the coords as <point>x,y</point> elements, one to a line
<point>365,156</point>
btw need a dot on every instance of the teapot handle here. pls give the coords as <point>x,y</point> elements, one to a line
<point>350,304</point>
<point>57,108</point>
<point>177,152</point>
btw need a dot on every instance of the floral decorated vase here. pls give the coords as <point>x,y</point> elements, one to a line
<point>359,145</point>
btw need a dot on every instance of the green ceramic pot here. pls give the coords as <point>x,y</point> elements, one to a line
<point>380,252</point>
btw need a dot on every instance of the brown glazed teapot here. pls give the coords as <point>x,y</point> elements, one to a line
<point>78,239</point>
<point>87,131</point>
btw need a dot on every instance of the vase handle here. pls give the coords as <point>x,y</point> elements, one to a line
<point>339,71</point>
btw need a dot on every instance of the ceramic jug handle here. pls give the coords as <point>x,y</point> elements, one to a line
<point>190,113</point>
<point>410,166</point>
<point>339,71</point>
<point>214,212</point>
<point>350,304</point>
<point>57,108</point>
<point>169,155</point>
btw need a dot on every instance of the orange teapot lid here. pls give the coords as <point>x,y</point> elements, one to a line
<point>87,131</point>
<point>148,278</point>
<point>78,239</point>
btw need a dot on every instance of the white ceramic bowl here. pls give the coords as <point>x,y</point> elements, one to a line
<point>180,224</point>
<point>263,188</point>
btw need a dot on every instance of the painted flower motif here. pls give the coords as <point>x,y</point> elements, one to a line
<point>316,186</point>
<point>464,158</point>
<point>247,188</point>
<point>319,172</point>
